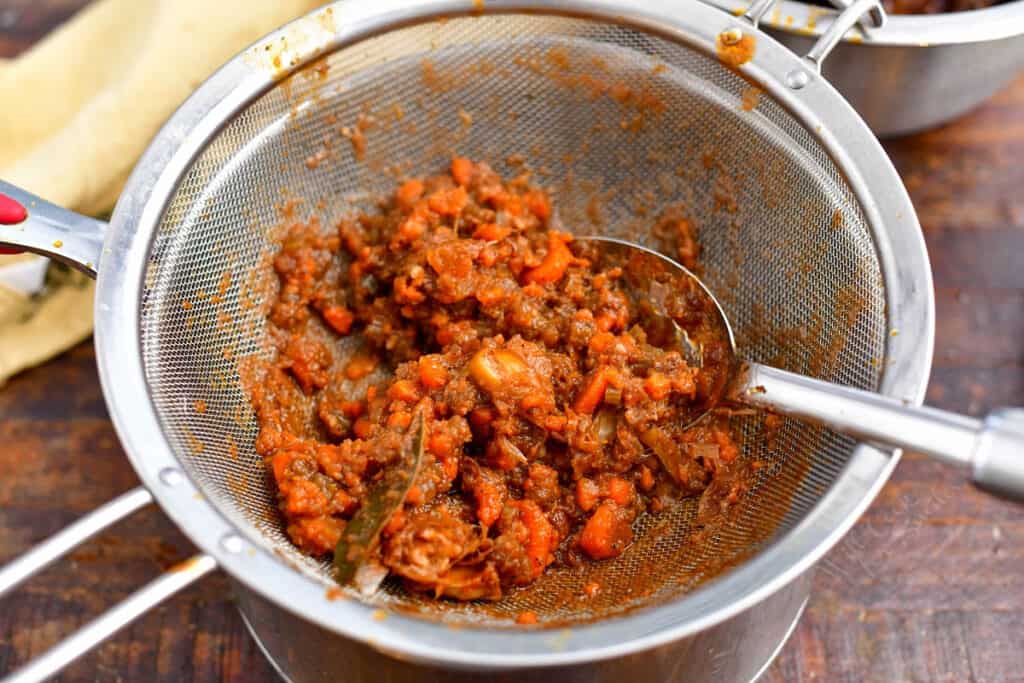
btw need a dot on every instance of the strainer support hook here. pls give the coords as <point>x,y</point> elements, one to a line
<point>868,14</point>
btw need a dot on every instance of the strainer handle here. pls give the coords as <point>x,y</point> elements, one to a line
<point>108,623</point>
<point>69,538</point>
<point>992,449</point>
<point>30,223</point>
<point>113,620</point>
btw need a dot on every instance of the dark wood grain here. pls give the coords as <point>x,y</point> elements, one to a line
<point>929,586</point>
<point>24,22</point>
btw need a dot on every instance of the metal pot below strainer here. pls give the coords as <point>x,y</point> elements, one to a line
<point>621,109</point>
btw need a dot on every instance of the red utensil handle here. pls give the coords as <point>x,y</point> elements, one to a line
<point>11,212</point>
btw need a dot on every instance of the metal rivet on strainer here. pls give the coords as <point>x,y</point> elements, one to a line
<point>797,79</point>
<point>171,476</point>
<point>232,543</point>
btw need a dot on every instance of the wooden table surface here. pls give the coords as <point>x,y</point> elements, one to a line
<point>929,585</point>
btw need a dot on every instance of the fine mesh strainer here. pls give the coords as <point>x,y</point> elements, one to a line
<point>621,109</point>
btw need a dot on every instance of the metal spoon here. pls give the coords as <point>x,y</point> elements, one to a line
<point>992,448</point>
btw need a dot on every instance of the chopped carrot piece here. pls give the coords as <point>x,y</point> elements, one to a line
<point>490,232</point>
<point>339,318</point>
<point>401,419</point>
<point>490,295</point>
<point>414,496</point>
<point>601,341</point>
<point>555,423</point>
<point>411,229</point>
<point>621,491</point>
<point>404,390</point>
<point>343,502</point>
<point>555,262</point>
<point>318,535</point>
<point>532,401</point>
<point>409,193</point>
<point>406,293</point>
<point>360,366</point>
<point>352,409</point>
<point>440,444</point>
<point>488,256</point>
<point>513,205</point>
<point>538,204</point>
<point>646,479</point>
<point>526,618</point>
<point>481,417</point>
<point>533,290</point>
<point>657,386</point>
<point>489,502</point>
<point>462,170</point>
<point>303,497</point>
<point>493,194</point>
<point>279,464</point>
<point>542,535</point>
<point>607,533</point>
<point>592,392</point>
<point>362,428</point>
<point>446,335</point>
<point>448,202</point>
<point>605,322</point>
<point>433,373</point>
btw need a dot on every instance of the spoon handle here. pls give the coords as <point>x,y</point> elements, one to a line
<point>992,448</point>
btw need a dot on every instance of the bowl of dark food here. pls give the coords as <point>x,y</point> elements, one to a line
<point>356,347</point>
<point>931,62</point>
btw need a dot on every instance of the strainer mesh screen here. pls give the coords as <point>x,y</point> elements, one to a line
<point>618,124</point>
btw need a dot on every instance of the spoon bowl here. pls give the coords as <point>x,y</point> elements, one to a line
<point>677,309</point>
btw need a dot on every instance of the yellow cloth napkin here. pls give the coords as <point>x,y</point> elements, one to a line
<point>81,106</point>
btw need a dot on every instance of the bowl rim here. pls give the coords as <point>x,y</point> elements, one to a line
<point>901,30</point>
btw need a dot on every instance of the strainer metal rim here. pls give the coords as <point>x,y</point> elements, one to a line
<point>818,106</point>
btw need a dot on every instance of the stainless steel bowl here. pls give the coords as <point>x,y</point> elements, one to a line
<point>916,72</point>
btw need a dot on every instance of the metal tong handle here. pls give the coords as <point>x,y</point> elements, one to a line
<point>114,619</point>
<point>992,448</point>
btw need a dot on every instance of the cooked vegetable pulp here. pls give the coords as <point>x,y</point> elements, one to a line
<point>551,417</point>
